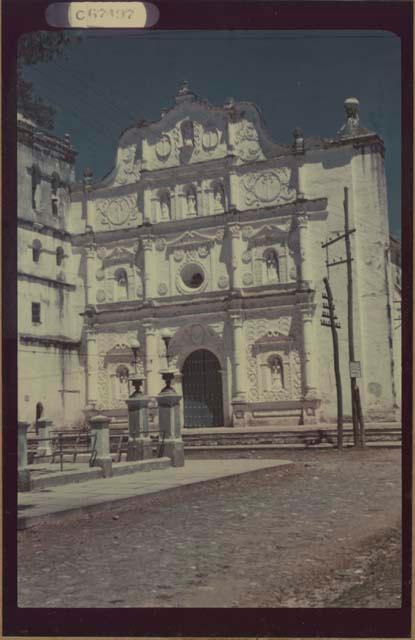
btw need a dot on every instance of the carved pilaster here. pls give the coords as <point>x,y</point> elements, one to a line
<point>310,358</point>
<point>303,240</point>
<point>147,243</point>
<point>239,355</point>
<point>91,366</point>
<point>90,255</point>
<point>234,230</point>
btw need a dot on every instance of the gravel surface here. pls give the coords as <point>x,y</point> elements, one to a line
<point>323,532</point>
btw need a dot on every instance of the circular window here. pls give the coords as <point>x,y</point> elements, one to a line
<point>193,276</point>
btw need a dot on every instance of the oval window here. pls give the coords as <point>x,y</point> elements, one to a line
<point>192,276</point>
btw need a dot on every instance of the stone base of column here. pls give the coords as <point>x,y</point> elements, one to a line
<point>106,466</point>
<point>23,480</point>
<point>139,449</point>
<point>310,407</point>
<point>239,409</point>
<point>174,449</point>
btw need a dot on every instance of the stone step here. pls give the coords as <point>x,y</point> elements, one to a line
<point>246,447</point>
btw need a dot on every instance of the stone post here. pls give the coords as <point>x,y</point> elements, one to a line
<point>92,367</point>
<point>306,264</point>
<point>23,473</point>
<point>178,383</point>
<point>235,233</point>
<point>171,426</point>
<point>44,446</point>
<point>90,274</point>
<point>99,426</point>
<point>139,443</point>
<point>149,270</point>
<point>310,360</point>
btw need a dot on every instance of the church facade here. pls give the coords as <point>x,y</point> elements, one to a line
<point>208,232</point>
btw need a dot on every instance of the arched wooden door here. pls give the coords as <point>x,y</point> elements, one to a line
<point>202,390</point>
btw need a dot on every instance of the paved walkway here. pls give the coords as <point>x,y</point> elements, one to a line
<point>42,505</point>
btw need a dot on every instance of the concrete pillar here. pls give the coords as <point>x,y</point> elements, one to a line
<point>236,275</point>
<point>149,268</point>
<point>92,368</point>
<point>171,426</point>
<point>151,359</point>
<point>91,253</point>
<point>306,262</point>
<point>44,446</point>
<point>239,357</point>
<point>139,443</point>
<point>310,358</point>
<point>99,426</point>
<point>23,473</point>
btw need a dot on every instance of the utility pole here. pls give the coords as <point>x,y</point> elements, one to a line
<point>333,323</point>
<point>357,415</point>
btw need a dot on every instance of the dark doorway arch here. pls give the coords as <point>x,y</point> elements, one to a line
<point>202,390</point>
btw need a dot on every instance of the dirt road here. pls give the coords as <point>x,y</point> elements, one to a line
<point>323,532</point>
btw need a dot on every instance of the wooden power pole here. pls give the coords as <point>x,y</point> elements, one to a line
<point>333,323</point>
<point>357,415</point>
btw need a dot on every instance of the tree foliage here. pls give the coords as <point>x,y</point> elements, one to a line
<point>34,48</point>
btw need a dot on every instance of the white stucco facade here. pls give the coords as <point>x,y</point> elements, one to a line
<point>208,229</point>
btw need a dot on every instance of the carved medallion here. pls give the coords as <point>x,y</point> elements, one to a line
<point>246,257</point>
<point>100,295</point>
<point>203,252</point>
<point>160,244</point>
<point>197,333</point>
<point>100,275</point>
<point>268,187</point>
<point>163,147</point>
<point>117,212</point>
<point>247,279</point>
<point>178,255</point>
<point>223,282</point>
<point>162,288</point>
<point>220,233</point>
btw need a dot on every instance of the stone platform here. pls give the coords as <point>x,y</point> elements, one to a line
<point>43,505</point>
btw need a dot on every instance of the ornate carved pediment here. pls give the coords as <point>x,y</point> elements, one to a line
<point>246,142</point>
<point>269,233</point>
<point>128,168</point>
<point>268,187</point>
<point>121,352</point>
<point>190,239</point>
<point>120,255</point>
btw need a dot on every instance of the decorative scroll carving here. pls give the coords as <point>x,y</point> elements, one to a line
<point>247,232</point>
<point>101,252</point>
<point>128,168</point>
<point>117,212</point>
<point>178,255</point>
<point>163,147</point>
<point>100,295</point>
<point>270,187</point>
<point>247,279</point>
<point>120,255</point>
<point>247,257</point>
<point>160,244</point>
<point>162,288</point>
<point>247,146</point>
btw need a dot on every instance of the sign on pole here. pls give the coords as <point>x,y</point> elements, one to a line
<point>355,370</point>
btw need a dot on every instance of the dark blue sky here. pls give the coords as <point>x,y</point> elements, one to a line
<point>296,78</point>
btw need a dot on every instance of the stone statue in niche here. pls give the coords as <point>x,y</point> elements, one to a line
<point>191,203</point>
<point>218,198</point>
<point>277,373</point>
<point>165,206</point>
<point>272,266</point>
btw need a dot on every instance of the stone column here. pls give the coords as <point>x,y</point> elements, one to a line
<point>235,233</point>
<point>92,368</point>
<point>306,262</point>
<point>89,203</point>
<point>147,213</point>
<point>171,426</point>
<point>139,443</point>
<point>151,359</point>
<point>91,253</point>
<point>44,446</point>
<point>99,426</point>
<point>239,356</point>
<point>310,359</point>
<point>149,279</point>
<point>23,473</point>
<point>233,191</point>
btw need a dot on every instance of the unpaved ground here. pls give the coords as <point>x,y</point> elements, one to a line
<point>324,532</point>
